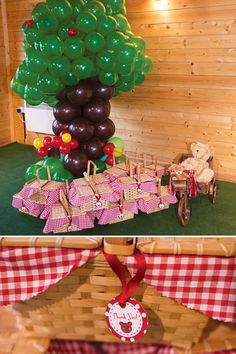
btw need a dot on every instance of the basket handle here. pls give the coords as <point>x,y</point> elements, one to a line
<point>138,173</point>
<point>91,184</point>
<point>119,246</point>
<point>90,162</point>
<point>64,202</point>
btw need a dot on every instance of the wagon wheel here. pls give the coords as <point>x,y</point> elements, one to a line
<point>183,210</point>
<point>212,192</point>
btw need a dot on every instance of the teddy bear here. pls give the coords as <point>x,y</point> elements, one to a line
<point>201,153</point>
<point>126,327</point>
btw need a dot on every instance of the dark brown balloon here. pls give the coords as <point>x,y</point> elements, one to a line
<point>105,129</point>
<point>80,94</point>
<point>81,129</point>
<point>102,91</point>
<point>62,95</point>
<point>76,162</point>
<point>97,110</point>
<point>57,127</point>
<point>65,112</point>
<point>93,148</point>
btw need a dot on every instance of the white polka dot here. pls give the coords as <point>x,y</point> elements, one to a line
<point>107,314</point>
<point>110,329</point>
<point>122,338</point>
<point>145,331</point>
<point>132,339</point>
<point>144,315</point>
<point>137,306</point>
<point>110,306</point>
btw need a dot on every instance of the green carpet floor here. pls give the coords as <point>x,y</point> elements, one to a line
<point>206,219</point>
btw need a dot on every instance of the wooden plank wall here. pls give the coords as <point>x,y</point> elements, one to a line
<point>5,123</point>
<point>190,94</point>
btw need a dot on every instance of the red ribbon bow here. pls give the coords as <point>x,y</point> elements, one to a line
<point>120,270</point>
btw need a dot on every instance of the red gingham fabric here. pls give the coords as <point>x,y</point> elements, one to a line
<point>28,271</point>
<point>206,284</point>
<point>77,347</point>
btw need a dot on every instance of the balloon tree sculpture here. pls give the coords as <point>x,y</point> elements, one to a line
<point>78,55</point>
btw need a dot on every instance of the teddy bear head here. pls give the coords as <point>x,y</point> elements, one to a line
<point>201,151</point>
<point>126,327</point>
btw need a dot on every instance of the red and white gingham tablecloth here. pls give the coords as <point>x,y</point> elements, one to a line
<point>206,284</point>
<point>76,347</point>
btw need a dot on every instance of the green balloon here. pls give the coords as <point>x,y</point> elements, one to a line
<point>139,79</point>
<point>24,75</point>
<point>96,7</point>
<point>116,5</point>
<point>124,69</point>
<point>33,93</point>
<point>101,166</point>
<point>77,6</point>
<point>53,164</point>
<point>43,173</point>
<point>108,9</point>
<point>83,68</point>
<point>121,159</point>
<point>86,23</point>
<point>64,28</point>
<point>106,60</point>
<point>59,67</point>
<point>122,23</point>
<point>36,61</point>
<point>118,142</point>
<point>40,163</point>
<point>106,25</point>
<point>117,92</point>
<point>47,23</point>
<point>52,46</point>
<point>147,64</point>
<point>74,48</point>
<point>49,84</point>
<point>26,47</point>
<point>115,40</point>
<point>30,173</point>
<point>61,9</point>
<point>139,63</point>
<point>51,101</point>
<point>94,42</point>
<point>127,78</point>
<point>108,78</point>
<point>127,86</point>
<point>39,9</point>
<point>32,35</point>
<point>139,44</point>
<point>18,87</point>
<point>69,79</point>
<point>127,54</point>
<point>62,175</point>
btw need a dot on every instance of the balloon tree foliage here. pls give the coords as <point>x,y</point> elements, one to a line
<point>67,41</point>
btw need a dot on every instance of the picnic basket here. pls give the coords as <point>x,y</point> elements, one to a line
<point>74,308</point>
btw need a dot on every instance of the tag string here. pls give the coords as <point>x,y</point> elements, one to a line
<point>120,270</point>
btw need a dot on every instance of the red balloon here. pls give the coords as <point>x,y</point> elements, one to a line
<point>110,160</point>
<point>47,141</point>
<point>56,141</point>
<point>74,144</point>
<point>29,23</point>
<point>108,148</point>
<point>64,132</point>
<point>72,32</point>
<point>65,148</point>
<point>42,152</point>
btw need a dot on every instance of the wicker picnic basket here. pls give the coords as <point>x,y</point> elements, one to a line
<point>74,308</point>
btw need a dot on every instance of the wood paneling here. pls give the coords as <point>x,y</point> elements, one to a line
<point>5,120</point>
<point>190,94</point>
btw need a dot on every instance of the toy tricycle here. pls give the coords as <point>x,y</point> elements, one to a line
<point>185,186</point>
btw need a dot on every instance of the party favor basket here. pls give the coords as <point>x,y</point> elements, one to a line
<point>74,309</point>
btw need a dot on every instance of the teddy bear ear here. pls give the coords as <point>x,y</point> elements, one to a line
<point>129,323</point>
<point>121,323</point>
<point>193,145</point>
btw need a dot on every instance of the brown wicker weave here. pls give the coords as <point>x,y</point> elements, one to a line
<point>208,246</point>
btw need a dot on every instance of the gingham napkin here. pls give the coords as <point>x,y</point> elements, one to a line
<point>206,284</point>
<point>28,271</point>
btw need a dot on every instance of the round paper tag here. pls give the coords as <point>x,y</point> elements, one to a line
<point>128,323</point>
